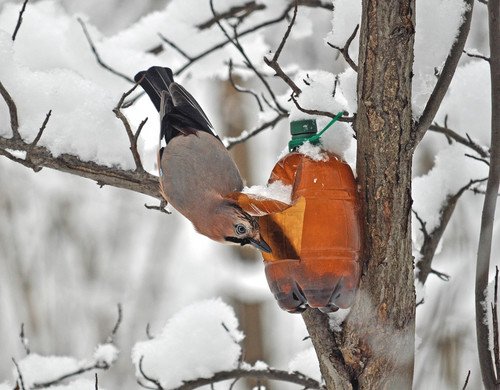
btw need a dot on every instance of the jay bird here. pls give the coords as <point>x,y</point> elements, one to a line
<point>198,177</point>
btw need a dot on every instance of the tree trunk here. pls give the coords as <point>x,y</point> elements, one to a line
<point>376,347</point>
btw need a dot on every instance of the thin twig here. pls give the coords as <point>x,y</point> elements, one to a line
<point>160,208</point>
<point>37,138</point>
<point>174,46</point>
<point>232,141</point>
<point>244,9</point>
<point>431,239</point>
<point>118,322</point>
<point>98,57</point>
<point>148,378</point>
<point>345,50</point>
<point>273,63</point>
<point>473,55</point>
<point>445,77</point>
<point>477,158</point>
<point>235,42</point>
<point>458,138</point>
<point>319,112</point>
<point>19,374</point>
<point>19,20</point>
<point>133,137</point>
<point>14,121</point>
<point>24,340</point>
<point>466,381</point>
<point>241,89</point>
<point>96,382</point>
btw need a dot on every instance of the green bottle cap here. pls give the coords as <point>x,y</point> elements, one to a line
<point>301,131</point>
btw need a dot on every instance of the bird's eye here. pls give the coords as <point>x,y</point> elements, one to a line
<point>240,229</point>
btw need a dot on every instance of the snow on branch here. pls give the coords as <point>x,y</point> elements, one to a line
<point>36,157</point>
<point>203,355</point>
<point>40,372</point>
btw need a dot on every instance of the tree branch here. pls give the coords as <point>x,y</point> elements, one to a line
<point>269,374</point>
<point>345,50</point>
<point>229,142</point>
<point>331,360</point>
<point>458,138</point>
<point>480,56</point>
<point>98,57</point>
<point>235,42</point>
<point>490,378</point>
<point>431,240</point>
<point>321,113</point>
<point>240,12</point>
<point>19,20</point>
<point>445,78</point>
<point>273,63</point>
<point>14,121</point>
<point>241,89</point>
<point>133,137</point>
<point>141,182</point>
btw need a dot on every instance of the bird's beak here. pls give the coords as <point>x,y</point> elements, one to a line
<point>261,245</point>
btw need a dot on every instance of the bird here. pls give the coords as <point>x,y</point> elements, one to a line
<point>197,175</point>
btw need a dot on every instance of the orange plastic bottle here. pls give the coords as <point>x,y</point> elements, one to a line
<point>316,242</point>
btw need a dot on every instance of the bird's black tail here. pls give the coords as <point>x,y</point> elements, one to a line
<point>155,80</point>
<point>179,111</point>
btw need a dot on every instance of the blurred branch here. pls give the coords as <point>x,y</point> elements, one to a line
<point>273,63</point>
<point>480,56</point>
<point>98,57</point>
<point>95,364</point>
<point>240,12</point>
<point>431,239</point>
<point>229,142</point>
<point>19,20</point>
<point>489,376</point>
<point>241,89</point>
<point>345,50</point>
<point>235,42</point>
<point>20,381</point>
<point>14,121</point>
<point>24,340</point>
<point>466,381</point>
<point>148,378</point>
<point>445,77</point>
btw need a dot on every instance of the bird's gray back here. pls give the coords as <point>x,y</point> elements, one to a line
<point>194,168</point>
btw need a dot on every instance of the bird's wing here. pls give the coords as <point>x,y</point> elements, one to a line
<point>186,106</point>
<point>179,111</point>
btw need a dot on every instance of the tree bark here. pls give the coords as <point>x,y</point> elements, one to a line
<point>377,341</point>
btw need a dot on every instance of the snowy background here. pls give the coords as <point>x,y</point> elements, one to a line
<point>70,251</point>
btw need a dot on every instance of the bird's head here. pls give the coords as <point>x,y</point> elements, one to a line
<point>233,225</point>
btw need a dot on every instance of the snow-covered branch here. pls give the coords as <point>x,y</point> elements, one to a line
<point>36,157</point>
